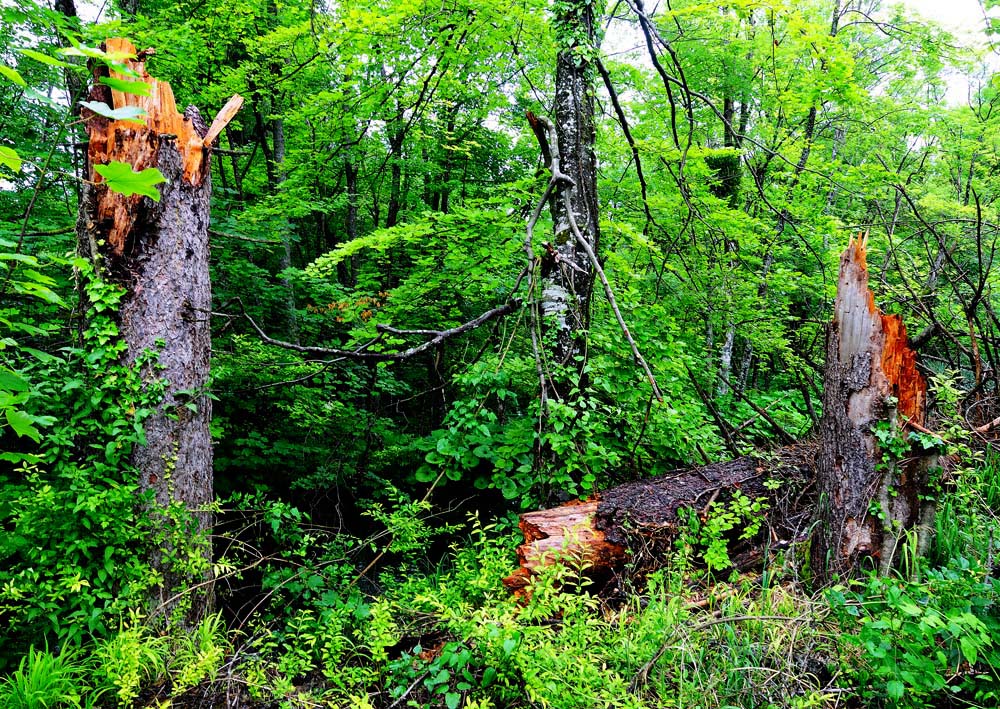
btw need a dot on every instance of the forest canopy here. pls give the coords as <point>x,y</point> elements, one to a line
<point>304,307</point>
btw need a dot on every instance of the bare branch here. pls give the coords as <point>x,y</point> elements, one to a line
<point>361,353</point>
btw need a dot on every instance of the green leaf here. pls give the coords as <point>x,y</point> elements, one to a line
<point>452,700</point>
<point>970,650</point>
<point>17,458</point>
<point>12,381</point>
<point>9,158</point>
<point>121,178</point>
<point>895,689</point>
<point>139,88</point>
<point>80,50</point>
<point>44,58</point>
<point>22,424</point>
<point>125,113</point>
<point>12,75</point>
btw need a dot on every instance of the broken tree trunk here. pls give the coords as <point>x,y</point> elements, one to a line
<point>867,500</point>
<point>158,252</point>
<point>638,522</point>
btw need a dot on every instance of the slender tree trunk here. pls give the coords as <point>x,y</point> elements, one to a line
<point>278,141</point>
<point>395,172</point>
<point>158,251</point>
<point>237,177</point>
<point>567,274</point>
<point>351,178</point>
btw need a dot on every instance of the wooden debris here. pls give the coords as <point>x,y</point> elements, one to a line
<point>138,143</point>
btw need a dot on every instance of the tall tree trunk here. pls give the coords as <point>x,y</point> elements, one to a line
<point>395,171</point>
<point>567,274</point>
<point>349,278</point>
<point>278,141</point>
<point>158,251</point>
<point>867,499</point>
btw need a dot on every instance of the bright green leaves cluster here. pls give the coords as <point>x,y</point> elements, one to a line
<point>74,548</point>
<point>920,639</point>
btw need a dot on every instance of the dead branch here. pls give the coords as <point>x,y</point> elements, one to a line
<point>362,352</point>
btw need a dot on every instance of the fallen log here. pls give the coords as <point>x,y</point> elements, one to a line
<point>636,523</point>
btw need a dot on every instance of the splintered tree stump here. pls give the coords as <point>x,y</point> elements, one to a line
<point>867,501</point>
<point>636,523</point>
<point>158,252</point>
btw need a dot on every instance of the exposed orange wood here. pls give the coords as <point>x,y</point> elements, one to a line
<point>566,531</point>
<point>138,144</point>
<point>877,332</point>
<point>899,363</point>
<point>222,119</point>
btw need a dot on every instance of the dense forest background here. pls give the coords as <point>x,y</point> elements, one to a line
<point>372,194</point>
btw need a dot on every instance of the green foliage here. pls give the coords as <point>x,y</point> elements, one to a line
<point>710,531</point>
<point>198,655</point>
<point>921,639</point>
<point>127,660</point>
<point>76,551</point>
<point>44,680</point>
<point>380,174</point>
<point>8,156</point>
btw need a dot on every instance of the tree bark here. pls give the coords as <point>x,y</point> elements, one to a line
<point>867,500</point>
<point>158,251</point>
<point>567,274</point>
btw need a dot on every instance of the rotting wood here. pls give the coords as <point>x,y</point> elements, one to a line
<point>636,523</point>
<point>138,144</point>
<point>158,251</point>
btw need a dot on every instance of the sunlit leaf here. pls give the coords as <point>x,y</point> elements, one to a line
<point>125,113</point>
<point>45,58</point>
<point>10,159</point>
<point>12,75</point>
<point>120,177</point>
<point>139,88</point>
<point>81,50</point>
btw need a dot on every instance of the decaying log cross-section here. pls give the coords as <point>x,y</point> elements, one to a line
<point>158,251</point>
<point>867,500</point>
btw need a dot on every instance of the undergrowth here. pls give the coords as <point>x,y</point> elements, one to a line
<point>338,621</point>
